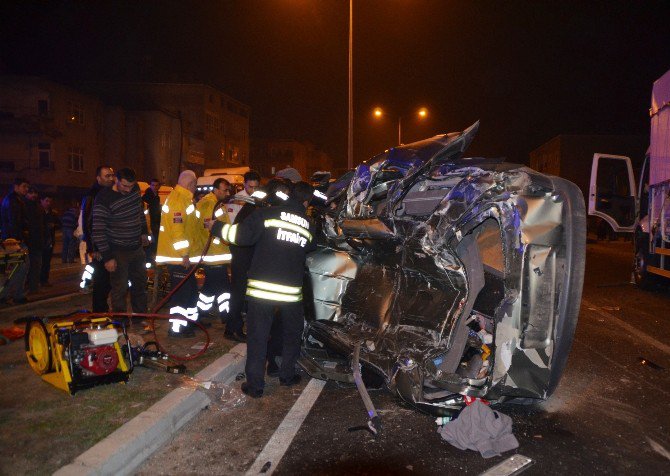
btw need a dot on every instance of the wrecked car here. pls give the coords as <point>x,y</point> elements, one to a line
<point>446,277</point>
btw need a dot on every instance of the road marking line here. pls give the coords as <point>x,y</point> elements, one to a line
<point>629,328</point>
<point>283,436</point>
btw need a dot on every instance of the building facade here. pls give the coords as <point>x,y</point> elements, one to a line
<point>51,134</point>
<point>201,125</point>
<point>270,156</point>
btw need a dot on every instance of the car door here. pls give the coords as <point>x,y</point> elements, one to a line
<point>612,191</point>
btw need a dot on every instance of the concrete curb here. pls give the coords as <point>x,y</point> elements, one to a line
<point>126,448</point>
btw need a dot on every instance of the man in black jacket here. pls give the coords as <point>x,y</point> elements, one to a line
<point>104,178</point>
<point>153,203</point>
<point>35,220</point>
<point>281,235</point>
<point>14,225</point>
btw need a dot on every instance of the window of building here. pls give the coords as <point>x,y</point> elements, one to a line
<point>44,155</point>
<point>42,107</point>
<point>233,154</point>
<point>75,113</point>
<point>76,159</point>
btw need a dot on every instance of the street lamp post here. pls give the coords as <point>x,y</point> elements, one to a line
<point>350,136</point>
<point>421,113</point>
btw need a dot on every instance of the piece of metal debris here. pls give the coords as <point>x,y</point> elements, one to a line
<point>512,465</point>
<point>650,364</point>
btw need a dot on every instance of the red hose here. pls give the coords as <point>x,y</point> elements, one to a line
<point>153,315</point>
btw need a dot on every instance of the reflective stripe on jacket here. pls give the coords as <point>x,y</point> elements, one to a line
<point>178,225</point>
<point>218,252</point>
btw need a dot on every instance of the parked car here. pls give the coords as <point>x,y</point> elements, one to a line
<point>446,277</point>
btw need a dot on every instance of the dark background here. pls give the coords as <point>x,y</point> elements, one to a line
<point>527,70</point>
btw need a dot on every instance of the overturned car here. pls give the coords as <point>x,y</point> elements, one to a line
<point>446,277</point>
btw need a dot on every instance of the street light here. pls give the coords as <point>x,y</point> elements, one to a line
<point>421,113</point>
<point>350,135</point>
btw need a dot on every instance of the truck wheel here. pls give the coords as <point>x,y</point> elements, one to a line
<point>642,277</point>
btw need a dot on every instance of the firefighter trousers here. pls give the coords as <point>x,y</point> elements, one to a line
<point>259,321</point>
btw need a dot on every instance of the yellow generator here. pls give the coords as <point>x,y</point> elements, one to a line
<point>73,354</point>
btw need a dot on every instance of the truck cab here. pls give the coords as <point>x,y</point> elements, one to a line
<point>643,210</point>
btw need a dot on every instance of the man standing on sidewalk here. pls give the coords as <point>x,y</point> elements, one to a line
<point>153,202</point>
<point>104,178</point>
<point>51,222</point>
<point>36,236</point>
<point>15,226</point>
<point>119,232</point>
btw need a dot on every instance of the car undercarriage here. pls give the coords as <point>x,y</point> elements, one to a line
<point>446,277</point>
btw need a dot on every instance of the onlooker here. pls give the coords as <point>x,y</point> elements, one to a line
<point>153,202</point>
<point>119,233</point>
<point>51,222</point>
<point>14,225</point>
<point>69,224</point>
<point>104,178</point>
<point>35,218</point>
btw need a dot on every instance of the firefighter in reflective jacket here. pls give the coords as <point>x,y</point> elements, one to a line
<point>282,236</point>
<point>216,290</point>
<point>175,241</point>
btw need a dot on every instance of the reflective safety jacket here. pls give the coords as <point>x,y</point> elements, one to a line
<point>282,236</point>
<point>206,210</point>
<point>178,224</point>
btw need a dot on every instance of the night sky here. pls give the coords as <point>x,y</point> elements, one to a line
<point>527,70</point>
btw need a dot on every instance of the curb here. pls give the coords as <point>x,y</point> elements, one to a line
<point>127,447</point>
<point>60,297</point>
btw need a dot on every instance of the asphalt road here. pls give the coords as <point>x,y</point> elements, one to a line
<point>609,414</point>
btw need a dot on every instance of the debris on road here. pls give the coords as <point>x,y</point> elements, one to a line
<point>650,364</point>
<point>512,465</point>
<point>482,429</point>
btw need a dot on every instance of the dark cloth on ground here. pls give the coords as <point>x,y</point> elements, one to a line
<point>482,429</point>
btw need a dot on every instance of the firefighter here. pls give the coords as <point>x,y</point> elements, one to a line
<point>216,291</point>
<point>282,235</point>
<point>175,242</point>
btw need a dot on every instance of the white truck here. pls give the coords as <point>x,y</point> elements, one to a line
<point>645,210</point>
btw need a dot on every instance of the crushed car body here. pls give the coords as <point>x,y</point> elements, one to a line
<point>452,276</point>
